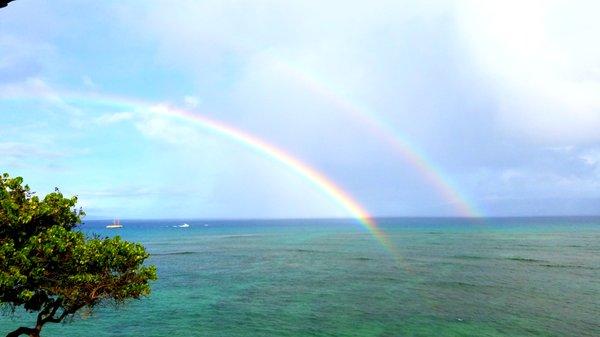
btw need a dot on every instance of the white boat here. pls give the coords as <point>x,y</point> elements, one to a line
<point>115,224</point>
<point>184,226</point>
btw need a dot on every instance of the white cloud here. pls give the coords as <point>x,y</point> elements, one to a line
<point>523,182</point>
<point>16,150</point>
<point>29,87</point>
<point>121,192</point>
<point>37,88</point>
<point>155,123</point>
<point>88,82</point>
<point>44,156</point>
<point>113,118</point>
<point>329,38</point>
<point>191,101</point>
<point>542,61</point>
<point>21,58</point>
<point>591,157</point>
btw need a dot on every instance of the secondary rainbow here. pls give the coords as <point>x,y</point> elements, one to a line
<point>379,128</point>
<point>324,184</point>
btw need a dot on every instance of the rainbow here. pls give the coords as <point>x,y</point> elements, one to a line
<point>324,184</point>
<point>409,152</point>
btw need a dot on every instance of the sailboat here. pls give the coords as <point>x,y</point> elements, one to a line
<point>115,224</point>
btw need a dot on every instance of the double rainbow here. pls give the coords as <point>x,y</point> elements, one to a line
<point>321,182</point>
<point>382,130</point>
<point>304,171</point>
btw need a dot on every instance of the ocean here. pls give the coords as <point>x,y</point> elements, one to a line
<point>331,277</point>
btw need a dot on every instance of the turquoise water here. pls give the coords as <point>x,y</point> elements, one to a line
<point>453,277</point>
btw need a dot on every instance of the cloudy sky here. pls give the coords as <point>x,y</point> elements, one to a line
<point>412,108</point>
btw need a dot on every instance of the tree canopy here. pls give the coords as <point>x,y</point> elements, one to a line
<point>49,267</point>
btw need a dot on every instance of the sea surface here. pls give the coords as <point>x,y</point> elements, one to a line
<point>446,277</point>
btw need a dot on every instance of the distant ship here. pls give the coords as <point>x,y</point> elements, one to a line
<point>184,226</point>
<point>115,224</point>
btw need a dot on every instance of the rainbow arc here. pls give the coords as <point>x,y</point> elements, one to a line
<point>321,182</point>
<point>383,131</point>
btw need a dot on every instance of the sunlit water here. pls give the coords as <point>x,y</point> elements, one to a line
<point>453,277</point>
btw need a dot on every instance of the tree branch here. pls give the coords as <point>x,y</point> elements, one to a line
<point>52,319</point>
<point>21,331</point>
<point>48,312</point>
<point>40,316</point>
<point>4,3</point>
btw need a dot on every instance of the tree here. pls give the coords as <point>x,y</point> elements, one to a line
<point>4,3</point>
<point>49,267</point>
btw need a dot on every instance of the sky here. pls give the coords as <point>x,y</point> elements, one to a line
<point>407,108</point>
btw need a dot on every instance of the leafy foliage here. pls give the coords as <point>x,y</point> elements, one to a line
<point>47,266</point>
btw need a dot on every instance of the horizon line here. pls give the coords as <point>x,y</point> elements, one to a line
<point>350,218</point>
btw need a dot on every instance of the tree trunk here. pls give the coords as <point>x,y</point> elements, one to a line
<point>36,331</point>
<point>32,332</point>
<point>45,316</point>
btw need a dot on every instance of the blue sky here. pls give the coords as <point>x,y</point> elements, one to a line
<point>501,98</point>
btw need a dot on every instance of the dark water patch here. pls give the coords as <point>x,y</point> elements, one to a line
<point>309,251</point>
<point>470,257</point>
<point>362,258</point>
<point>524,259</point>
<point>238,236</point>
<point>174,253</point>
<point>567,266</point>
<point>455,284</point>
<point>529,246</point>
<point>305,250</point>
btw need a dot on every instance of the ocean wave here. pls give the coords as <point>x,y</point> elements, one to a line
<point>362,258</point>
<point>470,257</point>
<point>175,253</point>
<point>569,266</point>
<point>456,284</point>
<point>235,236</point>
<point>524,259</point>
<point>310,251</point>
